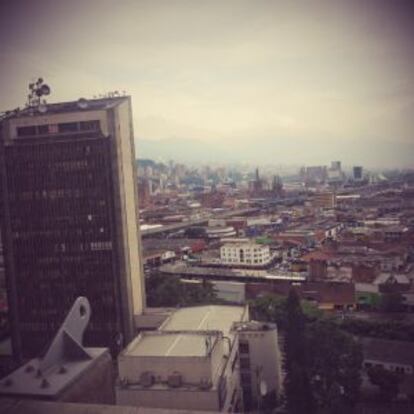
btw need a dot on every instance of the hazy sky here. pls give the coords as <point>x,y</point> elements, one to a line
<point>289,81</point>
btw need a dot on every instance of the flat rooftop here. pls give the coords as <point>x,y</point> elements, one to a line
<point>71,106</point>
<point>205,318</point>
<point>168,344</point>
<point>243,244</point>
<point>188,332</point>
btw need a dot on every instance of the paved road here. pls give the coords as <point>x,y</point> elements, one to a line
<point>179,226</point>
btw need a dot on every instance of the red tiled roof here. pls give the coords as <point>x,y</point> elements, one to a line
<point>317,255</point>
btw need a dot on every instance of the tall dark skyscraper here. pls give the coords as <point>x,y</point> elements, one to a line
<point>70,220</point>
<point>357,173</point>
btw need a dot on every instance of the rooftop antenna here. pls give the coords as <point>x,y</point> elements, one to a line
<point>36,91</point>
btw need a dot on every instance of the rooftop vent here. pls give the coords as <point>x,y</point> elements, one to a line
<point>146,379</point>
<point>205,384</point>
<point>175,380</point>
<point>82,103</point>
<point>123,382</point>
<point>42,108</point>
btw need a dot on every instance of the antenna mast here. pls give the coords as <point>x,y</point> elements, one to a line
<point>37,90</point>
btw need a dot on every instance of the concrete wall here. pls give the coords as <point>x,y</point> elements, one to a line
<point>15,406</point>
<point>230,291</point>
<point>265,359</point>
<point>95,386</point>
<point>223,370</point>
<point>129,193</point>
<point>231,377</point>
<point>192,369</point>
<point>169,398</point>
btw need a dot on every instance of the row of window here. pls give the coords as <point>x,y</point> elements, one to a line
<point>106,245</point>
<point>247,254</point>
<point>64,127</point>
<point>39,179</point>
<point>251,335</point>
<point>52,158</point>
<point>48,194</point>
<point>59,225</point>
<point>244,261</point>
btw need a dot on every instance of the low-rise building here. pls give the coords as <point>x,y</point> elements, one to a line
<point>244,252</point>
<point>325,199</point>
<point>189,363</point>
<point>179,369</point>
<point>395,356</point>
<point>392,282</point>
<point>197,359</point>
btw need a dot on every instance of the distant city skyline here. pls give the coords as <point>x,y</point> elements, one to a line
<point>264,81</point>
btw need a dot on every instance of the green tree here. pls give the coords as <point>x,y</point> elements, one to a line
<point>335,360</point>
<point>197,294</point>
<point>163,290</point>
<point>298,391</point>
<point>387,381</point>
<point>385,329</point>
<point>311,311</point>
<point>270,308</point>
<point>169,291</point>
<point>273,308</point>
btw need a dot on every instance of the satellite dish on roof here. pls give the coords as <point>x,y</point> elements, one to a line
<point>42,108</point>
<point>37,90</point>
<point>82,103</point>
<point>45,89</point>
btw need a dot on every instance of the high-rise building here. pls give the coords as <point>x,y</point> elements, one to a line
<point>144,192</point>
<point>70,220</point>
<point>357,173</point>
<point>315,174</point>
<point>256,185</point>
<point>277,186</point>
<point>336,165</point>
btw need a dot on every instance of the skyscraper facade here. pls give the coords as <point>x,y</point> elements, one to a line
<point>357,173</point>
<point>69,217</point>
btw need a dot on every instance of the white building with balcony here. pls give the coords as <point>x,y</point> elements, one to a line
<point>244,252</point>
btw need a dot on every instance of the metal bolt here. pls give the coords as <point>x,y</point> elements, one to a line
<point>29,368</point>
<point>8,382</point>
<point>62,370</point>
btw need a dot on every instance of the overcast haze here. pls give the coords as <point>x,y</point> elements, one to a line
<point>260,81</point>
